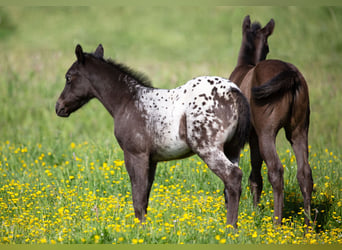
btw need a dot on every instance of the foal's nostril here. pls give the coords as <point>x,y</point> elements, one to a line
<point>59,109</point>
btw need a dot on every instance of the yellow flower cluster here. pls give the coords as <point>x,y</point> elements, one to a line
<point>78,195</point>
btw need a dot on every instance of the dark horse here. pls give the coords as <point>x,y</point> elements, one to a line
<point>208,116</point>
<point>279,98</point>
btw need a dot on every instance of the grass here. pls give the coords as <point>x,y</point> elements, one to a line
<point>82,195</point>
<point>64,180</point>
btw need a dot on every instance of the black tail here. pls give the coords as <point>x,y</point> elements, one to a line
<point>244,120</point>
<point>284,82</point>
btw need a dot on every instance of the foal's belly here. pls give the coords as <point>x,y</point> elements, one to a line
<point>168,132</point>
<point>171,150</point>
<point>168,142</point>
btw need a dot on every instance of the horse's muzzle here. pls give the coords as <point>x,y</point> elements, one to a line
<point>60,110</point>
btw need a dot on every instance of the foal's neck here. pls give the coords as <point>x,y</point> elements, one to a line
<point>246,56</point>
<point>246,61</point>
<point>114,90</point>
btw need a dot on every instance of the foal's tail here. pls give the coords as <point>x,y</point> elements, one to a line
<point>244,119</point>
<point>285,82</point>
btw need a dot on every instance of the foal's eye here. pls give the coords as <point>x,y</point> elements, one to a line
<point>68,78</point>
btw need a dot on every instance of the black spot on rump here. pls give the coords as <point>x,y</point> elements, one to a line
<point>214,91</point>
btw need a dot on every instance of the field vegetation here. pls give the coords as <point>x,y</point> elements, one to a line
<point>64,180</point>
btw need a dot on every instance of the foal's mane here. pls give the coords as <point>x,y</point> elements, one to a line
<point>256,26</point>
<point>141,78</point>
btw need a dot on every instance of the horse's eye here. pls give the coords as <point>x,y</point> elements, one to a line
<point>68,78</point>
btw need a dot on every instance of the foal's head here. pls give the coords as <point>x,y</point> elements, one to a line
<point>78,89</point>
<point>254,47</point>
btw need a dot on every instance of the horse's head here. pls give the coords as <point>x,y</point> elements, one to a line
<point>254,40</point>
<point>78,89</point>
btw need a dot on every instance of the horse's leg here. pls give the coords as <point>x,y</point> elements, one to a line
<point>268,152</point>
<point>141,173</point>
<point>231,176</point>
<point>255,178</point>
<point>151,174</point>
<point>299,141</point>
<point>232,152</point>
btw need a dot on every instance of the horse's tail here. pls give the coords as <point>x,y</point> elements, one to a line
<point>244,118</point>
<point>285,82</point>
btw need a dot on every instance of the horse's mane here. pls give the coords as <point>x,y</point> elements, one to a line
<point>138,76</point>
<point>141,78</point>
<point>256,26</point>
<point>246,53</point>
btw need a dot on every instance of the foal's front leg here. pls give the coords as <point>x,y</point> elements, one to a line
<point>141,172</point>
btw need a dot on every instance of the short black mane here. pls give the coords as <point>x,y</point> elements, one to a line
<point>256,26</point>
<point>138,76</point>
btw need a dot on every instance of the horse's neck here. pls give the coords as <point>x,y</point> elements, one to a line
<point>246,59</point>
<point>114,92</point>
<point>247,55</point>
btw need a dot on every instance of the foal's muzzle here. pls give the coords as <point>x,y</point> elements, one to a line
<point>60,110</point>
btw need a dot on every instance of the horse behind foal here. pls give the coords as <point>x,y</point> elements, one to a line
<point>279,98</point>
<point>208,116</point>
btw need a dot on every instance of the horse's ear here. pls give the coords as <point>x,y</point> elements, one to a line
<point>246,24</point>
<point>99,51</point>
<point>79,54</point>
<point>268,29</point>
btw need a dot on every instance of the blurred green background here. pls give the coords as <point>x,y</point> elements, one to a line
<point>170,45</point>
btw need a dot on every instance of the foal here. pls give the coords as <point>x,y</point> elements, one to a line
<point>208,116</point>
<point>279,98</point>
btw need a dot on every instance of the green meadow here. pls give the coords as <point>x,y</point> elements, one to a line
<point>64,180</point>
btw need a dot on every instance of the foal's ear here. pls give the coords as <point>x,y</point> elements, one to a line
<point>268,29</point>
<point>99,51</point>
<point>246,24</point>
<point>79,54</point>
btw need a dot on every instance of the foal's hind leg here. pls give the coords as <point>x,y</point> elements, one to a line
<point>275,171</point>
<point>141,172</point>
<point>255,178</point>
<point>232,152</point>
<point>231,176</point>
<point>299,141</point>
